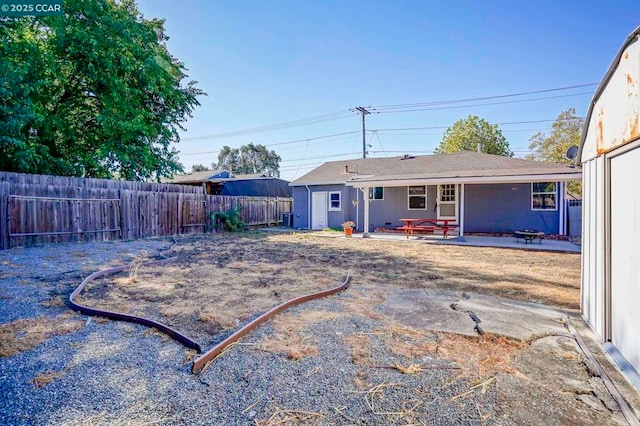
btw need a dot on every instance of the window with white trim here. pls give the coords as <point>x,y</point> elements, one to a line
<point>376,193</point>
<point>335,201</point>
<point>544,196</point>
<point>417,197</point>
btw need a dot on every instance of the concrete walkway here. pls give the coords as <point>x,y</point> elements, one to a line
<point>474,241</point>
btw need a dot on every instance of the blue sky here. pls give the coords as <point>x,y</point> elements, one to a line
<point>264,63</point>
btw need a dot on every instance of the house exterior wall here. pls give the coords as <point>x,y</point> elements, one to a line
<point>506,208</point>
<point>335,219</point>
<point>386,213</point>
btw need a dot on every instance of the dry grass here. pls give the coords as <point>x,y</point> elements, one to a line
<point>358,345</point>
<point>288,338</point>
<point>47,377</point>
<point>54,302</point>
<point>25,334</point>
<point>221,280</point>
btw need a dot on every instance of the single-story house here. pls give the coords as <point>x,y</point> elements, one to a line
<point>610,156</point>
<point>481,192</point>
<point>222,182</point>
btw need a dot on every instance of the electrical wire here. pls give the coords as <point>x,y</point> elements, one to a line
<point>284,125</point>
<point>486,104</point>
<point>484,98</point>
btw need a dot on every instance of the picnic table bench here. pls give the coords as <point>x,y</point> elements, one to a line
<point>529,235</point>
<point>428,224</point>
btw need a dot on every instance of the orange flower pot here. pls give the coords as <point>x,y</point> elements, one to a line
<point>348,231</point>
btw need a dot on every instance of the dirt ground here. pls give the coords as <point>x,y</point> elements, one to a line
<point>400,373</point>
<point>220,281</point>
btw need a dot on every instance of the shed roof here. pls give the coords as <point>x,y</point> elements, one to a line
<point>632,38</point>
<point>462,165</point>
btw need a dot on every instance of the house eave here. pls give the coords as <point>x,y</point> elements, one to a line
<point>340,182</point>
<point>554,177</point>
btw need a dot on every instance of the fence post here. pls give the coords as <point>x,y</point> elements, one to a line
<point>4,216</point>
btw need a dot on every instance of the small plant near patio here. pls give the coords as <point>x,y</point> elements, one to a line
<point>229,220</point>
<point>348,224</point>
<point>332,229</point>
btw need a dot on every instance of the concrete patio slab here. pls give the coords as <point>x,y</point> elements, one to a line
<point>426,310</point>
<point>477,241</point>
<point>471,313</point>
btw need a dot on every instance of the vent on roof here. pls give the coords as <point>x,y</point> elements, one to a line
<point>407,157</point>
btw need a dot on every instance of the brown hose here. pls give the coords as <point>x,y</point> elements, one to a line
<point>125,317</point>
<point>208,356</point>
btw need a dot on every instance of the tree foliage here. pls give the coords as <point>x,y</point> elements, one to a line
<point>467,133</point>
<point>566,132</point>
<point>249,159</point>
<point>199,168</point>
<point>93,93</point>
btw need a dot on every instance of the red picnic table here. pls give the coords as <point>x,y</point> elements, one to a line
<point>428,224</point>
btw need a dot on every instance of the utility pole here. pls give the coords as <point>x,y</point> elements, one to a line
<point>363,111</point>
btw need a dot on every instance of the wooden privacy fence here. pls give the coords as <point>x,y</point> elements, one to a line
<point>38,209</point>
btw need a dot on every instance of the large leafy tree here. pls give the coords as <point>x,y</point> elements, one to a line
<point>249,159</point>
<point>566,132</point>
<point>467,133</point>
<point>93,93</point>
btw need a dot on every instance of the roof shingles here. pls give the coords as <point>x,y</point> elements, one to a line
<point>461,164</point>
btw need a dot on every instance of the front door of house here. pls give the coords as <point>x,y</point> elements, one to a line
<point>319,210</point>
<point>447,201</point>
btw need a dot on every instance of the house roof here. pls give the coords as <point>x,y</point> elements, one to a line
<point>221,175</point>
<point>459,167</point>
<point>194,177</point>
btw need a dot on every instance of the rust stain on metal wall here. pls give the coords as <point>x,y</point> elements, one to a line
<point>634,134</point>
<point>599,133</point>
<point>629,80</point>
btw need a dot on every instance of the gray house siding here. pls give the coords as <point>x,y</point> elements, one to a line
<point>505,208</point>
<point>300,212</point>
<point>335,218</point>
<point>488,208</point>
<point>387,213</point>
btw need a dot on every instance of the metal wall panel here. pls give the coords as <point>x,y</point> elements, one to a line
<point>625,255</point>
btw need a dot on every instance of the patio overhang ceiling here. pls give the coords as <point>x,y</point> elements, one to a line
<point>389,181</point>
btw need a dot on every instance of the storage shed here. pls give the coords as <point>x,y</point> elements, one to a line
<point>610,156</point>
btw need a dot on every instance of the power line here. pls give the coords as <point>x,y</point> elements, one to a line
<point>486,104</point>
<point>287,124</point>
<point>482,98</point>
<point>345,113</point>
<point>364,112</point>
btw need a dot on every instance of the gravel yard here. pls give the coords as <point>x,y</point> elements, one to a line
<point>340,360</point>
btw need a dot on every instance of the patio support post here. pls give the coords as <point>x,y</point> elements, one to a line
<point>461,211</point>
<point>367,201</point>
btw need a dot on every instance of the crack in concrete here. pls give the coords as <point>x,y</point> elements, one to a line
<point>475,318</point>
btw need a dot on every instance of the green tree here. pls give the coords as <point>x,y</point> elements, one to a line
<point>566,132</point>
<point>93,93</point>
<point>467,133</point>
<point>199,168</point>
<point>249,159</point>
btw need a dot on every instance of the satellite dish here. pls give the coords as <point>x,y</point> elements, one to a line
<point>571,152</point>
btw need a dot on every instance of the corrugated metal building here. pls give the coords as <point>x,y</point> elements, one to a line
<point>610,156</point>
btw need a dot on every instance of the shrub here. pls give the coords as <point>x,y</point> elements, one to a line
<point>229,220</point>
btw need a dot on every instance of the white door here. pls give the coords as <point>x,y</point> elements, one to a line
<point>447,202</point>
<point>625,255</point>
<point>319,210</point>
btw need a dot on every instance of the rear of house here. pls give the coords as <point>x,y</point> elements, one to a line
<point>479,192</point>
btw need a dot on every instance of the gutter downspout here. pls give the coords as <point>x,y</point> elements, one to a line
<point>308,207</point>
